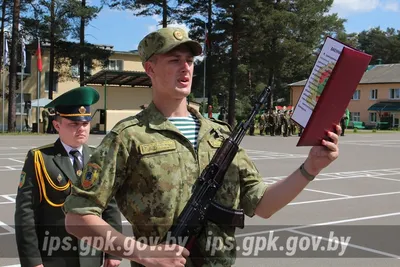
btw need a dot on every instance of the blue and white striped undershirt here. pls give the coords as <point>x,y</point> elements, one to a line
<point>188,126</point>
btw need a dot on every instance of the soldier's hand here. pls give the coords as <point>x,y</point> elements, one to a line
<point>321,156</point>
<point>111,263</point>
<point>40,265</point>
<point>164,255</point>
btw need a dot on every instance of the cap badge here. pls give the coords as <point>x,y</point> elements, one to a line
<point>82,110</point>
<point>178,35</point>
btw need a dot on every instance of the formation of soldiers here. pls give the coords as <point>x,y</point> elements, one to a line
<point>275,122</point>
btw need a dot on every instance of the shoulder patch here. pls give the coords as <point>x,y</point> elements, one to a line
<point>125,123</point>
<point>90,175</point>
<point>215,143</point>
<point>22,179</point>
<point>92,148</point>
<point>222,123</point>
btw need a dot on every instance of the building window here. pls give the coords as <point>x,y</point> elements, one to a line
<point>355,116</point>
<point>115,64</point>
<point>55,81</point>
<point>372,117</point>
<point>75,69</point>
<point>27,69</point>
<point>373,94</point>
<point>18,103</point>
<point>394,93</point>
<point>356,95</point>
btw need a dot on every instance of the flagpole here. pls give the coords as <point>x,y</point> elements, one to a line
<point>2,89</point>
<point>3,92</point>
<point>23,64</point>
<point>2,76</point>
<point>204,76</point>
<point>38,87</point>
<point>38,97</point>
<point>22,89</point>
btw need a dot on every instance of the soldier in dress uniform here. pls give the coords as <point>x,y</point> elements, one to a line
<point>46,180</point>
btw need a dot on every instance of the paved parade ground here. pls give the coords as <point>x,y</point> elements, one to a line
<point>348,216</point>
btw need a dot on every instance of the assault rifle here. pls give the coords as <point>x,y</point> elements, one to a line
<point>192,218</point>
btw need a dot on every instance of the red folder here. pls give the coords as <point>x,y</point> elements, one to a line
<point>335,97</point>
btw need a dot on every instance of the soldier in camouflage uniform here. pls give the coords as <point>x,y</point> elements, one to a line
<point>46,180</point>
<point>292,123</point>
<point>278,129</point>
<point>272,120</point>
<point>262,123</point>
<point>150,166</point>
<point>285,124</point>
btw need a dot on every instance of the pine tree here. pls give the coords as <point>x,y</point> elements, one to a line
<point>144,8</point>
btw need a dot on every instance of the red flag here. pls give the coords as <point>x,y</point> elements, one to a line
<point>39,58</point>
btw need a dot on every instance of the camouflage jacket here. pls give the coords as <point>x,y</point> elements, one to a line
<point>150,167</point>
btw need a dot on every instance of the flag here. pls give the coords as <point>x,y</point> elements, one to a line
<point>206,44</point>
<point>6,60</point>
<point>23,54</point>
<point>23,50</point>
<point>39,58</point>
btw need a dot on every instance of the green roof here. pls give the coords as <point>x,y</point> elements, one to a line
<point>119,78</point>
<point>385,106</point>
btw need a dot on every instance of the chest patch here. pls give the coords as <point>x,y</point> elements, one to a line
<point>157,147</point>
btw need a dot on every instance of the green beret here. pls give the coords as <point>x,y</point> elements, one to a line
<point>75,104</point>
<point>164,40</point>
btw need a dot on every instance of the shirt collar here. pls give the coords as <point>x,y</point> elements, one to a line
<point>68,148</point>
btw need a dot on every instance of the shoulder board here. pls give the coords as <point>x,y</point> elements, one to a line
<point>43,147</point>
<point>221,122</point>
<point>92,149</point>
<point>125,123</point>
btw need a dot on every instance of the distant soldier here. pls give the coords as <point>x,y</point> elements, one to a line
<point>222,115</point>
<point>262,123</point>
<point>285,124</point>
<point>343,123</point>
<point>252,127</point>
<point>292,124</point>
<point>45,118</point>
<point>271,122</point>
<point>279,116</point>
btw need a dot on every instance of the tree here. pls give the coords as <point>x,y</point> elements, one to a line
<point>55,21</point>
<point>198,16</point>
<point>5,19</point>
<point>13,68</point>
<point>144,8</point>
<point>384,46</point>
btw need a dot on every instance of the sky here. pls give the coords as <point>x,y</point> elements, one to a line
<point>124,31</point>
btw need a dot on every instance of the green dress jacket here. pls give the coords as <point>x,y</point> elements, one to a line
<point>45,182</point>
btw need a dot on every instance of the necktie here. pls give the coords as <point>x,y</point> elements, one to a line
<point>77,164</point>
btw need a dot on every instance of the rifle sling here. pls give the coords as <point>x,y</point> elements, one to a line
<point>224,216</point>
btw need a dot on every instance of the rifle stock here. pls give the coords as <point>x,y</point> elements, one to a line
<point>192,218</point>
